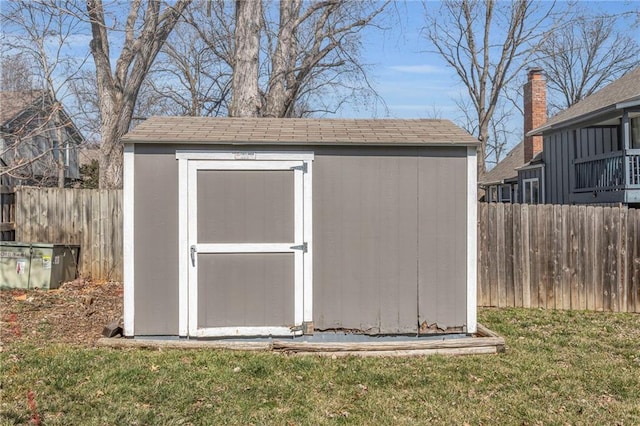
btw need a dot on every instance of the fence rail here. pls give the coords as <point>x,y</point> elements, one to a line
<point>90,218</point>
<point>559,257</point>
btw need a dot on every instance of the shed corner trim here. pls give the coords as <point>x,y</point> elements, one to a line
<point>128,239</point>
<point>472,242</point>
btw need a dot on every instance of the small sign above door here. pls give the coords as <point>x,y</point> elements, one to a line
<point>244,155</point>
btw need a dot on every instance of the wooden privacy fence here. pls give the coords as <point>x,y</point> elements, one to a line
<point>7,214</point>
<point>538,256</point>
<point>559,257</point>
<point>88,217</point>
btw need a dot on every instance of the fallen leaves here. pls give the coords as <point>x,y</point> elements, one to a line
<point>76,313</point>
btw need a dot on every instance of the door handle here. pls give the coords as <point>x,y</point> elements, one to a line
<point>193,255</point>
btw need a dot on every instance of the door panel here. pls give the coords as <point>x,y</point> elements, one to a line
<point>245,239</point>
<point>245,290</point>
<point>245,206</point>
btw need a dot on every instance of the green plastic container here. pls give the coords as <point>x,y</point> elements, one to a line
<point>37,265</point>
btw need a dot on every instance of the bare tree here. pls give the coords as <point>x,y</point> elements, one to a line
<point>584,55</point>
<point>145,31</point>
<point>316,49</point>
<point>245,98</point>
<point>187,78</point>
<point>39,37</point>
<point>487,44</point>
<point>17,73</point>
<point>500,130</point>
<point>289,58</point>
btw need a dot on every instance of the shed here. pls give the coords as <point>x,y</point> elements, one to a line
<point>282,227</point>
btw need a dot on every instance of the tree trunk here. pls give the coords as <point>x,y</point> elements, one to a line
<point>245,101</point>
<point>118,91</point>
<point>277,100</point>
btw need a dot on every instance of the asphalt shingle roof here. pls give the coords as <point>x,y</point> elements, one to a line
<point>292,131</point>
<point>12,103</point>
<point>506,169</point>
<point>624,89</point>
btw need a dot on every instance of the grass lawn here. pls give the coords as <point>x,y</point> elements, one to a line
<point>559,368</point>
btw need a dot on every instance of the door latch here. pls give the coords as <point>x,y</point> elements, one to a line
<point>193,255</point>
<point>302,247</point>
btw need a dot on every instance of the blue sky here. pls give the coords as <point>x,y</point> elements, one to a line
<point>413,82</point>
<point>417,84</point>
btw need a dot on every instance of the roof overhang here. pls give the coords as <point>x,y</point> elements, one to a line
<point>504,181</point>
<point>608,112</point>
<point>287,143</point>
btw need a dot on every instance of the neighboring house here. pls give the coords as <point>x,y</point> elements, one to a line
<point>513,180</point>
<point>586,154</point>
<point>37,139</point>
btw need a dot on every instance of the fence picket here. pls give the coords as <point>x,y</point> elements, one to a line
<point>566,257</point>
<point>74,216</point>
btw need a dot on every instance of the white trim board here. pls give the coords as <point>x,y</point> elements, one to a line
<point>189,164</point>
<point>183,249</point>
<point>472,241</point>
<point>128,236</point>
<point>245,332</point>
<point>190,154</point>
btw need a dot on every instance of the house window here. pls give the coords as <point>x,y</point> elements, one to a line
<point>531,191</point>
<point>635,133</point>
<point>504,193</point>
<point>67,148</point>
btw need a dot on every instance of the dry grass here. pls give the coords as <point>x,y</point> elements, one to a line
<point>559,368</point>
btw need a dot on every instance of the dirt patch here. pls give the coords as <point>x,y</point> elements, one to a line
<point>75,313</point>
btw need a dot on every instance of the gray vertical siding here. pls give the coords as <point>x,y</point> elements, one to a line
<point>557,167</point>
<point>593,141</point>
<point>365,242</point>
<point>562,147</point>
<point>442,236</point>
<point>156,241</point>
<point>390,239</point>
<point>389,227</point>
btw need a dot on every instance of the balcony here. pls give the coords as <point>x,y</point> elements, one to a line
<point>615,172</point>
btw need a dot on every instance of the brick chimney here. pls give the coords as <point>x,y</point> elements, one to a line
<point>535,111</point>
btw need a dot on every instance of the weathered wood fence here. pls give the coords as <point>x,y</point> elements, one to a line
<point>555,257</point>
<point>7,214</point>
<point>88,217</point>
<point>559,257</point>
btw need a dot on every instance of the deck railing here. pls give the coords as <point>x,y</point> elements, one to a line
<point>612,171</point>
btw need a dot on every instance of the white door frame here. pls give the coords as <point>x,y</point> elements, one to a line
<point>189,162</point>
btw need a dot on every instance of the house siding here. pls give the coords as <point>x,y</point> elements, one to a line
<point>156,241</point>
<point>390,237</point>
<point>560,150</point>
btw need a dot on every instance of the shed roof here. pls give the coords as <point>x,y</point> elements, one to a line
<point>624,90</point>
<point>294,131</point>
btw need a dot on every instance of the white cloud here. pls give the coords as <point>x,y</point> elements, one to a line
<point>417,69</point>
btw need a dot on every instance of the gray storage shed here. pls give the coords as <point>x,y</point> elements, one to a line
<point>279,227</point>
